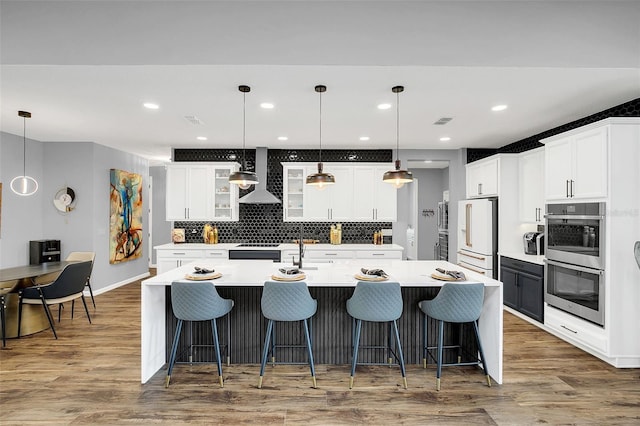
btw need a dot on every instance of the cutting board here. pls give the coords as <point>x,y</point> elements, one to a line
<point>442,277</point>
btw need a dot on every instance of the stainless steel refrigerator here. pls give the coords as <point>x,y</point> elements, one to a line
<point>478,235</point>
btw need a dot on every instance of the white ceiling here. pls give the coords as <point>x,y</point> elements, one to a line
<point>84,68</point>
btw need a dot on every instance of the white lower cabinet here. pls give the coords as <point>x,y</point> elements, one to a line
<point>576,329</point>
<point>171,259</point>
<point>377,254</point>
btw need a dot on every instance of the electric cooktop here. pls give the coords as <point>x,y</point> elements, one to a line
<point>258,245</point>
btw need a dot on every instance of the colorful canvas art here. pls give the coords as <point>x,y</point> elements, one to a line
<point>125,225</point>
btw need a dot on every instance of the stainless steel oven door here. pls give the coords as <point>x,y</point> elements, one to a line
<point>576,239</point>
<point>575,289</point>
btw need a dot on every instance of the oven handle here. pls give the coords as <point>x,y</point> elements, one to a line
<point>568,216</point>
<point>575,267</point>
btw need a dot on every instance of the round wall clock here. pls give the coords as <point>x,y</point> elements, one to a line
<point>65,200</point>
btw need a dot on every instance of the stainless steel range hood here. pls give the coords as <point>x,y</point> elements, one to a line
<point>260,195</point>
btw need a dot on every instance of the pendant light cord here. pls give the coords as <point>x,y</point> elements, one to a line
<point>244,129</point>
<point>24,146</point>
<point>320,127</point>
<point>397,125</point>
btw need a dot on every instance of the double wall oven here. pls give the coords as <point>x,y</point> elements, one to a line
<point>574,251</point>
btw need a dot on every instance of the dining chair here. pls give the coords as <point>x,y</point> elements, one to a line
<point>67,287</point>
<point>377,302</point>
<point>455,303</point>
<point>74,256</point>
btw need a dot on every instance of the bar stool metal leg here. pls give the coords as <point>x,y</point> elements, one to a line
<point>174,348</point>
<point>311,363</point>
<point>265,351</point>
<point>356,343</point>
<point>214,328</point>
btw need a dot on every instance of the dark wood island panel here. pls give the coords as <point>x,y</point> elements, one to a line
<point>331,330</point>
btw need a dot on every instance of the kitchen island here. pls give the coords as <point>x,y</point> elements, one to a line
<point>331,284</point>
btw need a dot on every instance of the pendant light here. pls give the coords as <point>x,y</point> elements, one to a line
<point>320,179</point>
<point>397,177</point>
<point>243,178</point>
<point>24,185</point>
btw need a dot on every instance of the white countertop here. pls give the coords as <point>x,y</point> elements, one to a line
<point>531,258</point>
<point>286,246</point>
<point>339,274</point>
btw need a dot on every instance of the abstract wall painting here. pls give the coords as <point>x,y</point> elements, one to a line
<point>125,224</point>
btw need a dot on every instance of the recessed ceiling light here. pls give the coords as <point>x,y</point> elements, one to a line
<point>364,138</point>
<point>202,138</point>
<point>445,139</point>
<point>266,105</point>
<point>384,106</point>
<point>283,138</point>
<point>151,105</point>
<point>499,107</point>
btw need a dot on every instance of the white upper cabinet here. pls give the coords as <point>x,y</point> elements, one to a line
<point>482,178</point>
<point>201,192</point>
<point>374,200</point>
<point>187,196</point>
<point>334,202</point>
<point>359,195</point>
<point>531,186</point>
<point>225,204</point>
<point>293,183</point>
<point>576,166</point>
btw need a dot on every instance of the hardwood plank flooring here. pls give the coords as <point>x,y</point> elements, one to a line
<point>91,375</point>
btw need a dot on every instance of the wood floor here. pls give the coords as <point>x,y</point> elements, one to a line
<point>91,374</point>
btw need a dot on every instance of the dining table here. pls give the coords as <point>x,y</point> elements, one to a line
<point>34,318</point>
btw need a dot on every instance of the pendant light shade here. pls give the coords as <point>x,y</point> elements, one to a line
<point>397,177</point>
<point>320,179</point>
<point>24,185</point>
<point>243,178</point>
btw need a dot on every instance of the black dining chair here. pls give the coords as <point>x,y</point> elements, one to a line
<point>68,287</point>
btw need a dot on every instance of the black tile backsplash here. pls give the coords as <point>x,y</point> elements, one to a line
<point>262,223</point>
<point>627,109</point>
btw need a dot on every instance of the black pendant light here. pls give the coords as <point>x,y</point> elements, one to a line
<point>24,185</point>
<point>320,179</point>
<point>243,178</point>
<point>397,177</point>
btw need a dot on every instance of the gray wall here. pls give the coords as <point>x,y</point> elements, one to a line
<point>457,191</point>
<point>21,216</point>
<point>83,166</point>
<point>431,186</point>
<point>161,228</point>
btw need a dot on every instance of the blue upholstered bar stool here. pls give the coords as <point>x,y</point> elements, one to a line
<point>286,301</point>
<point>376,302</point>
<point>198,301</point>
<point>455,303</point>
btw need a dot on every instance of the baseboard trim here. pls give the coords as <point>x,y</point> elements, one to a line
<point>116,285</point>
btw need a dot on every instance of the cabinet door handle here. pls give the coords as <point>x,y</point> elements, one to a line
<point>572,190</point>
<point>566,188</point>
<point>185,213</point>
<point>331,254</point>
<point>479,189</point>
<point>468,212</point>
<point>568,329</point>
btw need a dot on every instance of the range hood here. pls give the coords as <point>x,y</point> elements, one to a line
<point>260,195</point>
